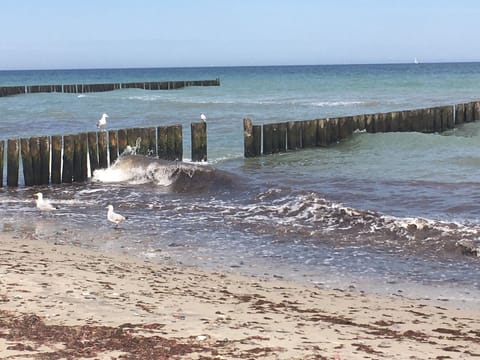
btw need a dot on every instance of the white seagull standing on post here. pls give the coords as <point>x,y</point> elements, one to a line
<point>114,217</point>
<point>203,117</point>
<point>102,122</point>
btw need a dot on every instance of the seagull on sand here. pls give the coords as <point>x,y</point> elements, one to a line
<point>113,217</point>
<point>43,204</point>
<point>102,122</point>
<point>203,117</point>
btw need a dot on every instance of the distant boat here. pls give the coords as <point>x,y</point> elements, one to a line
<point>415,61</point>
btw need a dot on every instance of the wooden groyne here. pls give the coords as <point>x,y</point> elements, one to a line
<point>281,137</point>
<point>89,88</point>
<point>65,158</point>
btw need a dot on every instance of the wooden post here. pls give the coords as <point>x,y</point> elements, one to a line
<point>437,119</point>
<point>282,137</point>
<point>379,122</point>
<point>56,159</point>
<point>468,112</point>
<point>150,141</point>
<point>102,150</point>
<point>332,130</point>
<point>267,139</point>
<point>395,119</point>
<point>12,161</point>
<point>360,122</point>
<point>112,146</point>
<point>369,123</point>
<point>2,151</point>
<point>44,160</point>
<point>68,150</point>
<point>248,139</point>
<point>178,133</point>
<point>447,118</point>
<point>93,150</point>
<point>35,158</point>
<point>459,114</point>
<point>174,143</point>
<point>132,135</point>
<point>293,135</point>
<point>162,142</point>
<point>275,139</point>
<point>309,133</point>
<point>122,141</point>
<point>26,162</point>
<point>322,133</point>
<point>80,158</point>
<point>476,111</point>
<point>199,141</point>
<point>257,139</point>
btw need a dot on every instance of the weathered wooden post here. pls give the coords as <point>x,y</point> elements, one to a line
<point>369,123</point>
<point>476,111</point>
<point>162,142</point>
<point>26,162</point>
<point>112,146</point>
<point>44,160</point>
<point>379,122</point>
<point>359,121</point>
<point>248,140</point>
<point>309,133</point>
<point>102,150</point>
<point>447,118</point>
<point>199,141</point>
<point>34,143</point>
<point>149,141</point>
<point>68,150</point>
<point>332,130</point>
<point>80,158</point>
<point>395,120</point>
<point>322,137</point>
<point>12,161</point>
<point>468,112</point>
<point>174,142</point>
<point>275,139</point>
<point>56,159</point>
<point>92,150</point>
<point>122,141</point>
<point>132,135</point>
<point>282,137</point>
<point>267,139</point>
<point>459,114</point>
<point>293,135</point>
<point>2,147</point>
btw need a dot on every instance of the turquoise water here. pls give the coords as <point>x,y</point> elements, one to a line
<point>375,209</point>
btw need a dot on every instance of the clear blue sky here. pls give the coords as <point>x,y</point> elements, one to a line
<point>40,34</point>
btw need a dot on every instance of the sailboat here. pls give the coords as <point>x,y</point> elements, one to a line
<point>415,61</point>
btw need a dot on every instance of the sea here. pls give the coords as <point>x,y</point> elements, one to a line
<point>391,213</point>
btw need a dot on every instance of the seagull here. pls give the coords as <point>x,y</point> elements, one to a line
<point>102,122</point>
<point>114,217</point>
<point>42,204</point>
<point>203,117</point>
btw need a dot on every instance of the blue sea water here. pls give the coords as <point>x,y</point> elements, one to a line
<point>382,211</point>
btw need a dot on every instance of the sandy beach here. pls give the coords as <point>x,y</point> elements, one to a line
<point>63,302</point>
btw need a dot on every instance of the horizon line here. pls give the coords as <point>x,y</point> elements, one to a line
<point>237,66</point>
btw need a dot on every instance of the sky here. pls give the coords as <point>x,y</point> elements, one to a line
<point>59,34</point>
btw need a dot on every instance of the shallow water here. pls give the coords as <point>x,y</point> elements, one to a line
<point>377,211</point>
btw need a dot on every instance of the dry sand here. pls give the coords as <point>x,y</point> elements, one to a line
<point>63,302</point>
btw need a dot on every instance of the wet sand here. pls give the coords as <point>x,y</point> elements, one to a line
<point>59,301</point>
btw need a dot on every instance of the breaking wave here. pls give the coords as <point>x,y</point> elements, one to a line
<point>176,176</point>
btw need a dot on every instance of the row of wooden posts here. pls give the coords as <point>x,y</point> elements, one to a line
<point>64,159</point>
<point>88,88</point>
<point>292,135</point>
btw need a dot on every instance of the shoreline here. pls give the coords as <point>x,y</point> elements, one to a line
<point>125,306</point>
